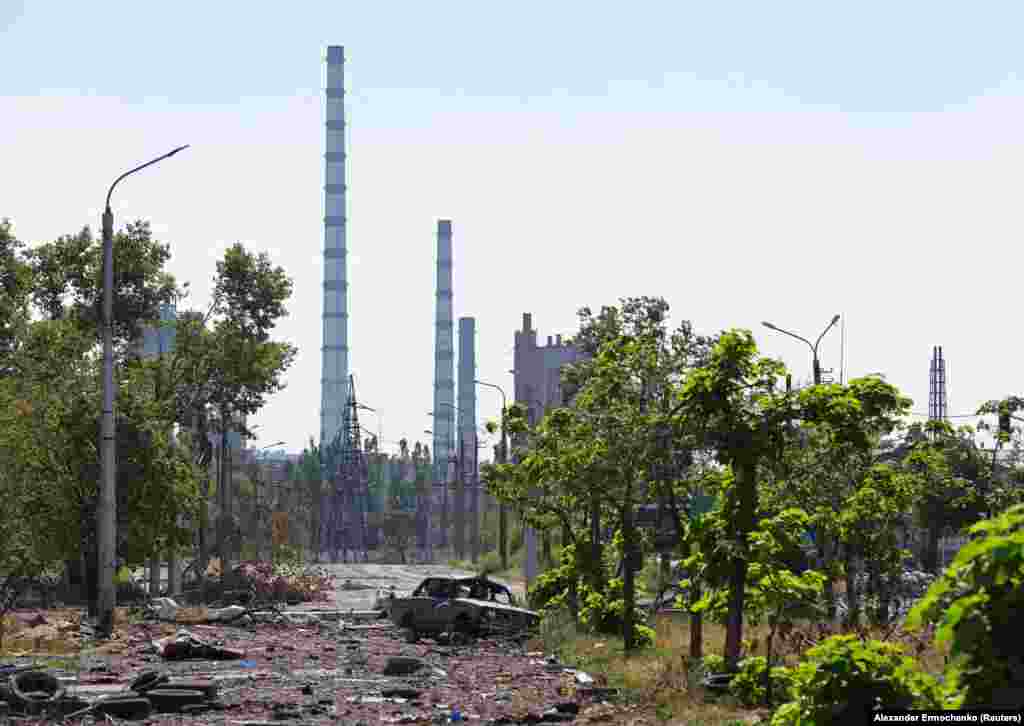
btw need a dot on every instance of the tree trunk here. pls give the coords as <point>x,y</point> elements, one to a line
<point>746,512</point>
<point>852,596</point>
<point>628,579</point>
<point>825,553</point>
<point>595,576</point>
<point>931,549</point>
<point>696,627</point>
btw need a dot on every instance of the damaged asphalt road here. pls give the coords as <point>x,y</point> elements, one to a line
<point>319,671</point>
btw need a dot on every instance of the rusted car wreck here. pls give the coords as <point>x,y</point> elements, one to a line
<point>465,606</point>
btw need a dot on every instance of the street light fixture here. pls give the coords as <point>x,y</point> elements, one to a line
<point>503,450</point>
<point>106,514</point>
<point>813,347</point>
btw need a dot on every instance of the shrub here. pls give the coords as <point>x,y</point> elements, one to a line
<point>978,604</point>
<point>284,581</point>
<point>602,612</point>
<point>713,663</point>
<point>748,685</point>
<point>844,677</point>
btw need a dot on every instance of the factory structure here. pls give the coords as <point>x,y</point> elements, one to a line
<point>453,424</point>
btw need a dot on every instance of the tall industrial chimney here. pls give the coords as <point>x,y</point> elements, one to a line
<point>467,437</point>
<point>444,369</point>
<point>334,378</point>
<point>937,410</point>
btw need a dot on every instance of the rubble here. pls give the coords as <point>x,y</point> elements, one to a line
<point>320,667</point>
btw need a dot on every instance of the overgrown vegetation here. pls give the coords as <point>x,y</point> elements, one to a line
<point>817,493</point>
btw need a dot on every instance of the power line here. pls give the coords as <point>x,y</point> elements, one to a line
<point>956,415</point>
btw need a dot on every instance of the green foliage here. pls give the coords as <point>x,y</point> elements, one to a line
<point>748,685</point>
<point>285,555</point>
<point>978,604</point>
<point>602,612</point>
<point>712,663</point>
<point>844,677</point>
<point>774,593</point>
<point>550,590</point>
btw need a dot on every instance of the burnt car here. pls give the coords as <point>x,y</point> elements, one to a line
<point>469,606</point>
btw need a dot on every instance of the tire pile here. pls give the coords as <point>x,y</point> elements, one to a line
<point>34,692</point>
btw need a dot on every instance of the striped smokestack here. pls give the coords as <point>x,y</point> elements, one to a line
<point>444,361</point>
<point>334,378</point>
<point>467,510</point>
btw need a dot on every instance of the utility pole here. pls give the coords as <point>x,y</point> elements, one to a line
<point>106,510</point>
<point>502,508</point>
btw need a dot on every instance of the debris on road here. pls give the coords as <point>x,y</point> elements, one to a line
<point>183,645</point>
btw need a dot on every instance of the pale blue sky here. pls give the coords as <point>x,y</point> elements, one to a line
<point>748,161</point>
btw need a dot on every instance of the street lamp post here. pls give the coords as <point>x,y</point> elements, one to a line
<point>106,519</point>
<point>813,347</point>
<point>502,510</point>
<point>824,547</point>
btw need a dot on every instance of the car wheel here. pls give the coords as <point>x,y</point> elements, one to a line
<point>462,629</point>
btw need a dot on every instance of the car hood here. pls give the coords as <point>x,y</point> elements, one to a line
<point>497,606</point>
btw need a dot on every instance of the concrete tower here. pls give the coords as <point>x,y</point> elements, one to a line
<point>334,376</point>
<point>444,365</point>
<point>467,439</point>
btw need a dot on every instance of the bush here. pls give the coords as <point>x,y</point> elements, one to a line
<point>978,604</point>
<point>844,677</point>
<point>286,581</point>
<point>748,685</point>
<point>602,612</point>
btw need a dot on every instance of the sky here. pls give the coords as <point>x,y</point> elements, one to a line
<point>746,161</point>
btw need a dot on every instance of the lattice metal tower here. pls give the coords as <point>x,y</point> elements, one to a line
<point>937,410</point>
<point>344,503</point>
<point>335,307</point>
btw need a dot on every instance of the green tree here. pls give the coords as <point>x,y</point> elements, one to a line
<point>733,406</point>
<point>15,288</point>
<point>978,604</point>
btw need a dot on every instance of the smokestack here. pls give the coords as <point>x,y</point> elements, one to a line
<point>334,371</point>
<point>467,435</point>
<point>444,361</point>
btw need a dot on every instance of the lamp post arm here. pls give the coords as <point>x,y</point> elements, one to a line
<point>140,167</point>
<point>834,321</point>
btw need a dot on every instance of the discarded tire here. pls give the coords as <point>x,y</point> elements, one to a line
<point>205,686</point>
<point>126,708</point>
<point>718,682</point>
<point>167,700</point>
<point>401,665</point>
<point>148,680</point>
<point>36,687</point>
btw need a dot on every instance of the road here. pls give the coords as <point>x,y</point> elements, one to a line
<point>403,578</point>
<point>357,584</point>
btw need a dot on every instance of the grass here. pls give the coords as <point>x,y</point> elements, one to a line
<point>663,683</point>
